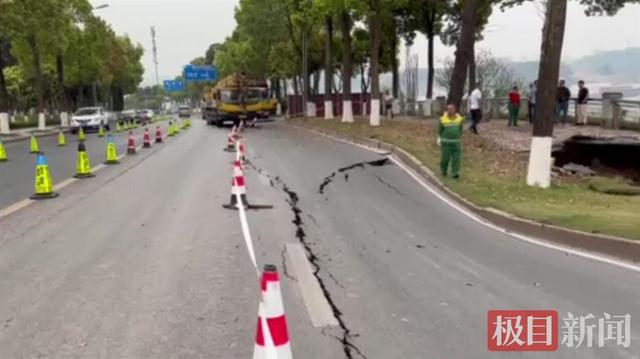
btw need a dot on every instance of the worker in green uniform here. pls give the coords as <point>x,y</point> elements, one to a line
<point>449,138</point>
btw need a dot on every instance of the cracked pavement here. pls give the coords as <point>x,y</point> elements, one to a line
<point>142,261</point>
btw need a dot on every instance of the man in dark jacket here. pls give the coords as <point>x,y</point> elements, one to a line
<point>583,99</point>
<point>562,103</point>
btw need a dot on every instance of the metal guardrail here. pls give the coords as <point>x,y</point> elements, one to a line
<point>624,114</point>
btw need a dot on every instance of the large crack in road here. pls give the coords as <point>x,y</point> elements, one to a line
<point>348,346</point>
<point>327,180</point>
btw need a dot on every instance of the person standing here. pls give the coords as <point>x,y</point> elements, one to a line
<point>449,139</point>
<point>583,99</point>
<point>531,97</point>
<point>562,105</point>
<point>475,109</point>
<point>514,106</point>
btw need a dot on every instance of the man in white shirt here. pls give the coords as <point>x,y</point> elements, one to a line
<point>475,109</point>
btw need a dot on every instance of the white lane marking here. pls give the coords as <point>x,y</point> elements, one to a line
<point>522,237</point>
<point>318,308</point>
<point>242,213</point>
<point>15,207</point>
<point>459,208</point>
<point>65,183</point>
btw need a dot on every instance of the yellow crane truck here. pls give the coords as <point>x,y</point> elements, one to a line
<point>237,98</point>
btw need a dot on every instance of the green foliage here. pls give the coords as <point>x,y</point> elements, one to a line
<point>46,33</point>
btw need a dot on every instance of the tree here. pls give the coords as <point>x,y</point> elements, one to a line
<point>463,50</point>
<point>496,75</point>
<point>210,54</point>
<point>427,17</point>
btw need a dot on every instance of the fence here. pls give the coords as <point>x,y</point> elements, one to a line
<point>624,114</point>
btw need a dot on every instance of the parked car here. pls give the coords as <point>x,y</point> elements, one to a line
<point>128,115</point>
<point>90,118</point>
<point>184,111</point>
<point>144,116</point>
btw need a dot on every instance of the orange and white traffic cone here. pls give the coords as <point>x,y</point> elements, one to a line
<point>131,144</point>
<point>231,141</point>
<point>240,157</point>
<point>272,336</point>
<point>158,134</point>
<point>237,188</point>
<point>146,139</point>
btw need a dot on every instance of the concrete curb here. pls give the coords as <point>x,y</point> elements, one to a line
<point>613,246</point>
<point>21,137</point>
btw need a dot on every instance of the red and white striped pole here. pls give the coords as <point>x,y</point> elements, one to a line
<point>272,336</point>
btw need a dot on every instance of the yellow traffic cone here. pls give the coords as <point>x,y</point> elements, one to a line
<point>118,129</point>
<point>81,135</point>
<point>112,152</point>
<point>170,131</point>
<point>43,183</point>
<point>61,140</point>
<point>101,131</point>
<point>83,165</point>
<point>3,153</point>
<point>34,145</point>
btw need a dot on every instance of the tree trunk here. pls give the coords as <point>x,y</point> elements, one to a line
<point>4,94</point>
<point>539,171</point>
<point>328,70</point>
<point>430,68</point>
<point>118,98</point>
<point>347,109</point>
<point>37,71</point>
<point>62,95</point>
<point>463,51</point>
<point>472,68</point>
<point>375,24</point>
<point>395,72</point>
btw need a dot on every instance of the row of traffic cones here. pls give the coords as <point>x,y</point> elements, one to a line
<point>43,182</point>
<point>272,335</point>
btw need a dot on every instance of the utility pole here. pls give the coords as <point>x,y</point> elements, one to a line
<point>155,54</point>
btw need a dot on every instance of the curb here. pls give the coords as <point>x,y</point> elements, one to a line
<point>613,246</point>
<point>21,138</point>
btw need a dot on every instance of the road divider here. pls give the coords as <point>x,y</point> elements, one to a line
<point>272,335</point>
<point>43,182</point>
<point>62,141</point>
<point>83,164</point>
<point>111,152</point>
<point>146,138</point>
<point>3,153</point>
<point>231,140</point>
<point>158,134</point>
<point>131,144</point>
<point>35,148</point>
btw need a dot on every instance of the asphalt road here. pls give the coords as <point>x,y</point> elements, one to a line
<point>143,262</point>
<point>17,175</point>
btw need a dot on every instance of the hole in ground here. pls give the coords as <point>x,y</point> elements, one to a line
<point>618,156</point>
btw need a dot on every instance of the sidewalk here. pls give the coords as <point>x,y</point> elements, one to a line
<point>25,133</point>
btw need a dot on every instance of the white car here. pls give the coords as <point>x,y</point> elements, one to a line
<point>90,118</point>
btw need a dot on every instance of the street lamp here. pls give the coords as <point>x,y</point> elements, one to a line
<point>100,6</point>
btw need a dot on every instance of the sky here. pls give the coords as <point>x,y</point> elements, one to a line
<point>185,28</point>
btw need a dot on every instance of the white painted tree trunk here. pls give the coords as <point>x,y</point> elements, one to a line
<point>279,109</point>
<point>347,111</point>
<point>64,119</point>
<point>363,109</point>
<point>311,109</point>
<point>374,116</point>
<point>42,123</point>
<point>539,173</point>
<point>328,110</point>
<point>4,123</point>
